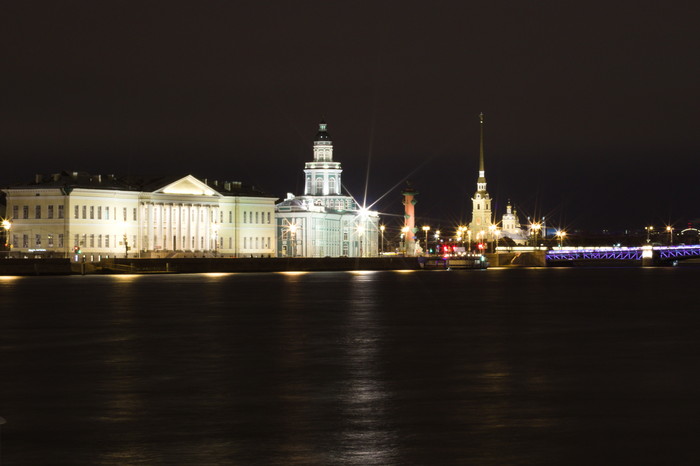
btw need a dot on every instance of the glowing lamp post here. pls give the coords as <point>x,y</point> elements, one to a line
<point>7,225</point>
<point>669,229</point>
<point>426,229</point>
<point>404,237</point>
<point>126,240</point>
<point>215,237</point>
<point>293,234</point>
<point>535,229</point>
<point>493,229</point>
<point>649,229</point>
<point>360,232</point>
<point>560,235</point>
<point>437,241</point>
<point>382,228</point>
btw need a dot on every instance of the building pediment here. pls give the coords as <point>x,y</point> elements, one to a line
<point>189,185</point>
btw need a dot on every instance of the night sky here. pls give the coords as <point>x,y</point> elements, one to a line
<point>592,108</point>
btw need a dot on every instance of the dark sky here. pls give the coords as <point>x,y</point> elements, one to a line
<point>592,108</point>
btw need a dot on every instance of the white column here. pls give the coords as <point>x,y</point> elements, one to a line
<point>198,216</point>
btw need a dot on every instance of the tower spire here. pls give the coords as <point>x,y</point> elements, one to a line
<point>481,144</point>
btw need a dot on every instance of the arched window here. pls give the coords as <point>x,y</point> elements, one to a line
<point>319,185</point>
<point>331,185</point>
<point>308,185</point>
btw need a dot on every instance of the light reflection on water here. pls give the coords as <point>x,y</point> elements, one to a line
<point>497,367</point>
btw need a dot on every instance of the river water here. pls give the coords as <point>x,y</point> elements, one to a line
<point>502,366</point>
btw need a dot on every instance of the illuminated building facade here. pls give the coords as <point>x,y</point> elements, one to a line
<point>107,216</point>
<point>324,222</point>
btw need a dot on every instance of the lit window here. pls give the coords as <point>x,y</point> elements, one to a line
<point>49,240</point>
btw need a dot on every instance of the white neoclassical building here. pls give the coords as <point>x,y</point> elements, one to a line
<point>324,222</point>
<point>93,216</point>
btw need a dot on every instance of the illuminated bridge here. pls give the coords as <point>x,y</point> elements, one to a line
<point>645,254</point>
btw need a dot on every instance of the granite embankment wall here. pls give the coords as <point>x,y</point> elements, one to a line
<point>273,264</point>
<point>35,267</point>
<point>521,259</point>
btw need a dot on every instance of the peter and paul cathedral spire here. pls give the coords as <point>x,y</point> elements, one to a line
<point>481,202</point>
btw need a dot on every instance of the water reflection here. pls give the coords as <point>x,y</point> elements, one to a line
<point>367,437</point>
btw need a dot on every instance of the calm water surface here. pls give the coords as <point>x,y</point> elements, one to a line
<point>503,366</point>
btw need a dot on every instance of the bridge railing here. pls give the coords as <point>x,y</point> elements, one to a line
<point>622,253</point>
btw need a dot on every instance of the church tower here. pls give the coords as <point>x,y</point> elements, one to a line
<point>322,176</point>
<point>481,202</point>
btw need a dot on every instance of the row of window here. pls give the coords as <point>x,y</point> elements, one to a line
<point>259,217</point>
<point>256,243</point>
<point>52,241</point>
<point>51,211</point>
<point>319,185</point>
<point>108,241</point>
<point>103,213</point>
<point>97,212</point>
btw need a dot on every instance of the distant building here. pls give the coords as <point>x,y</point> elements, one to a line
<point>324,222</point>
<point>108,216</point>
<point>483,226</point>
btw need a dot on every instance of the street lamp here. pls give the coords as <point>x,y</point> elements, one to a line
<point>215,235</point>
<point>535,229</point>
<point>426,229</point>
<point>126,241</point>
<point>649,229</point>
<point>669,229</point>
<point>360,231</point>
<point>7,225</point>
<point>560,234</point>
<point>382,228</point>
<point>404,237</point>
<point>293,232</point>
<point>493,229</point>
